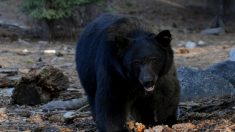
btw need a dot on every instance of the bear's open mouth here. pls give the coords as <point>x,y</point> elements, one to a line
<point>149,89</point>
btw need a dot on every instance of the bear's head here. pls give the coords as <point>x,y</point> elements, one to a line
<point>145,56</point>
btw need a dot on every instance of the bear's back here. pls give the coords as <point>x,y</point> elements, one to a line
<point>118,24</point>
<point>99,25</point>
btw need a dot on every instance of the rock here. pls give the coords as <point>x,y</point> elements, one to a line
<point>7,92</point>
<point>190,45</point>
<point>181,43</point>
<point>197,83</point>
<point>225,69</point>
<point>183,72</point>
<point>213,31</point>
<point>68,114</point>
<point>232,54</point>
<point>24,52</point>
<point>49,51</point>
<point>200,42</point>
<point>40,86</point>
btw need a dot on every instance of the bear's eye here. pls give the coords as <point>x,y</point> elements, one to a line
<point>154,59</point>
<point>136,62</point>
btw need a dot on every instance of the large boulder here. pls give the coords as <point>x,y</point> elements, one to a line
<point>225,69</point>
<point>197,83</point>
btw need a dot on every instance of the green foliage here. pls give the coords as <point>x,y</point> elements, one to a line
<point>51,9</point>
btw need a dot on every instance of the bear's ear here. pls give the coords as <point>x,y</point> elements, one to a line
<point>164,38</point>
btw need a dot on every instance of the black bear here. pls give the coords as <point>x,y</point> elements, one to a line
<point>127,71</point>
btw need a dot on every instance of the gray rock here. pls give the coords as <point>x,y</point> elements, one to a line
<point>201,43</point>
<point>213,31</point>
<point>68,114</point>
<point>232,54</point>
<point>190,45</point>
<point>225,69</point>
<point>197,83</point>
<point>6,92</point>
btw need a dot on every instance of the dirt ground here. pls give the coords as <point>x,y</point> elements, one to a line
<point>211,114</point>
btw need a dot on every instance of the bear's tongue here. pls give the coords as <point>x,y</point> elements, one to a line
<point>149,89</point>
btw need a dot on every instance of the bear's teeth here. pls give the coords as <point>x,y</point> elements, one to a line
<point>149,89</point>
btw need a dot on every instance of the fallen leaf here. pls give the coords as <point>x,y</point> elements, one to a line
<point>184,126</point>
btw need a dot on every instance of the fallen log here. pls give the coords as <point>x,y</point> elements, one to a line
<point>9,71</point>
<point>73,104</point>
<point>8,77</point>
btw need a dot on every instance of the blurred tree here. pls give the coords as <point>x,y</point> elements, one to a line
<point>51,10</point>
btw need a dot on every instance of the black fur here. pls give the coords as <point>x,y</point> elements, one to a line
<point>119,60</point>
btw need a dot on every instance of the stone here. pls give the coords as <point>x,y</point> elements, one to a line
<point>232,54</point>
<point>213,31</point>
<point>224,69</point>
<point>201,43</point>
<point>190,44</point>
<point>198,83</point>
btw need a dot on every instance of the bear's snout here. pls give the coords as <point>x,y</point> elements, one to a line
<point>147,78</point>
<point>148,83</point>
